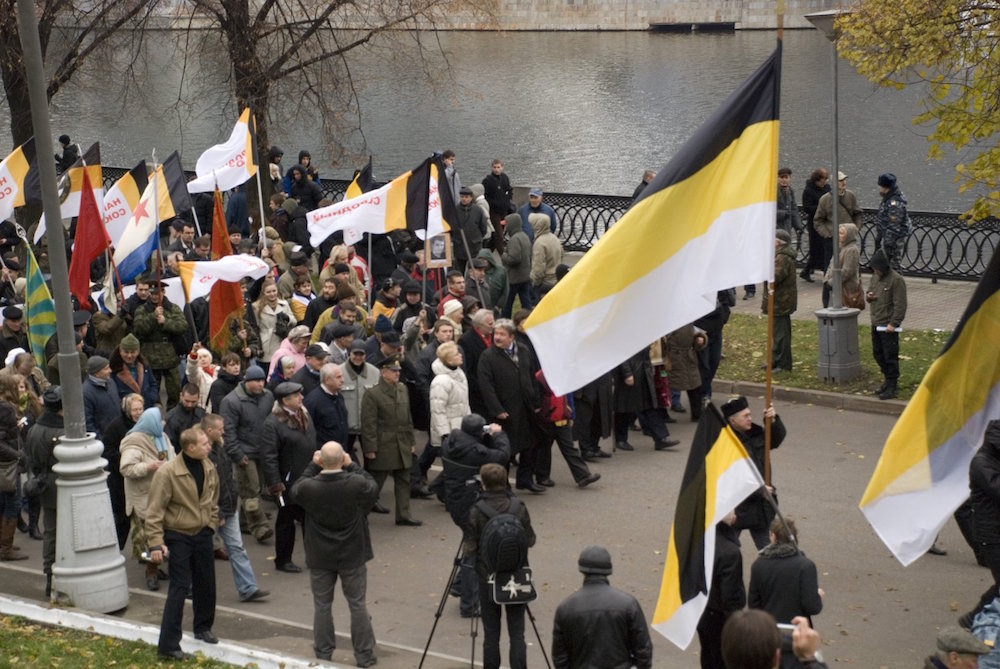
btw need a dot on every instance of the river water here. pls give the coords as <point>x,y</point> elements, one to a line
<point>570,112</point>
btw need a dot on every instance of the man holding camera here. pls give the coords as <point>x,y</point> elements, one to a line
<point>463,452</point>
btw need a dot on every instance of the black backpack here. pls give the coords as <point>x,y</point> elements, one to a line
<point>503,544</point>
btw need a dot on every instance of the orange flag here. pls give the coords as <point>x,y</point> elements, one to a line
<point>225,301</point>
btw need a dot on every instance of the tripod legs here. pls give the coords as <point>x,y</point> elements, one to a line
<point>440,609</point>
<point>538,636</point>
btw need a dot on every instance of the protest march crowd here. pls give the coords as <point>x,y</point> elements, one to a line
<point>293,404</point>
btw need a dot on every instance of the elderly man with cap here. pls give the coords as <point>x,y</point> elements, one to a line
<point>158,323</point>
<point>534,205</point>
<point>598,625</point>
<point>243,411</point>
<point>390,345</point>
<point>475,282</point>
<point>470,227</point>
<point>12,334</point>
<point>339,344</point>
<point>101,403</point>
<point>956,649</point>
<point>387,436</point>
<point>41,440</point>
<point>132,374</point>
<point>308,375</point>
<point>404,271</point>
<point>755,513</point>
<point>294,345</point>
<point>849,212</point>
<point>359,377</point>
<point>892,223</point>
<point>786,293</point>
<point>288,441</point>
<point>298,266</point>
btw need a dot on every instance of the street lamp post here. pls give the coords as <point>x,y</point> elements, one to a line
<point>89,571</point>
<point>839,360</point>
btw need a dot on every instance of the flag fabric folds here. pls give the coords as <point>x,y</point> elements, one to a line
<point>19,179</point>
<point>71,186</point>
<point>39,309</point>
<point>418,200</point>
<point>165,197</point>
<point>199,277</point>
<point>718,476</point>
<point>230,164</point>
<point>225,300</point>
<point>704,224</point>
<point>122,198</point>
<point>91,241</point>
<point>922,475</point>
<point>362,182</point>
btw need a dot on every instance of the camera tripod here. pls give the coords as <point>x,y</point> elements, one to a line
<point>474,620</point>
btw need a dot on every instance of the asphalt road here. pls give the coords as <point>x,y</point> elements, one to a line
<point>876,613</point>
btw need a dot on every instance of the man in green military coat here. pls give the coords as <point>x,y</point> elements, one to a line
<point>387,436</point>
<point>786,294</point>
<point>156,324</point>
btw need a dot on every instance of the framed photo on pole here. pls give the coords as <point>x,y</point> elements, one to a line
<point>437,251</point>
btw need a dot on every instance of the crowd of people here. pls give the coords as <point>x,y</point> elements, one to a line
<point>341,358</point>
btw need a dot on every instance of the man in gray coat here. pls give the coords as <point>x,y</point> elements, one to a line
<point>517,259</point>
<point>244,411</point>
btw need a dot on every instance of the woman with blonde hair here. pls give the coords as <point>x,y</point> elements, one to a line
<point>132,405</point>
<point>274,318</point>
<point>143,451</point>
<point>27,406</point>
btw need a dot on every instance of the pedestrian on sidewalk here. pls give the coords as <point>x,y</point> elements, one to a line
<point>887,297</point>
<point>816,187</point>
<point>892,223</point>
<point>785,302</point>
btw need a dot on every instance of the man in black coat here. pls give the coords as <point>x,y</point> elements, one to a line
<point>511,398</point>
<point>40,443</point>
<point>635,394</point>
<point>308,374</point>
<point>288,441</point>
<point>600,626</point>
<point>498,192</point>
<point>755,513</point>
<point>984,487</point>
<point>594,417</point>
<point>186,414</point>
<point>726,594</point>
<point>336,495</point>
<point>463,452</point>
<point>327,408</point>
<point>474,343</point>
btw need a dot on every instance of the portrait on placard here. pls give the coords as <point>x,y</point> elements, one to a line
<point>437,250</point>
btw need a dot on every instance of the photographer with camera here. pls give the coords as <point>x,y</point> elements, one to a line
<point>463,452</point>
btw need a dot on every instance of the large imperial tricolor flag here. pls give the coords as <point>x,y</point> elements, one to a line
<point>121,199</point>
<point>704,224</point>
<point>19,179</point>
<point>165,196</point>
<point>230,164</point>
<point>71,187</point>
<point>418,200</point>
<point>718,476</point>
<point>923,473</point>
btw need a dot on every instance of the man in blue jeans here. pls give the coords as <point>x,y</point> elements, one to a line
<point>229,519</point>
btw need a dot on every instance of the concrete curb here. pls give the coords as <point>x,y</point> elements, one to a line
<point>823,398</point>
<point>88,621</point>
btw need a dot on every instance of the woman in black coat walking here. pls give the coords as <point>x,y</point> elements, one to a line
<point>816,186</point>
<point>783,580</point>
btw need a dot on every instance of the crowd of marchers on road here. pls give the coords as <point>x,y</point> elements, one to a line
<point>315,393</point>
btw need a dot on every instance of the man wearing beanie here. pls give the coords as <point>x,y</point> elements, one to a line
<point>101,404</point>
<point>892,223</point>
<point>131,372</point>
<point>600,626</point>
<point>887,297</point>
<point>785,301</point>
<point>755,513</point>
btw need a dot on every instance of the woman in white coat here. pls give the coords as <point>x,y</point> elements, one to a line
<point>449,400</point>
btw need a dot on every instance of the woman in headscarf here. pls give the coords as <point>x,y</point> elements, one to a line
<point>143,451</point>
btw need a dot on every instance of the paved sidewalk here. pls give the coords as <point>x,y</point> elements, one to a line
<point>930,306</point>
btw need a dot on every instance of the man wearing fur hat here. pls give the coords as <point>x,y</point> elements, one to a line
<point>755,513</point>
<point>892,223</point>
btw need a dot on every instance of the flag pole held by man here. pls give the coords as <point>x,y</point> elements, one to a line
<point>922,475</point>
<point>705,223</point>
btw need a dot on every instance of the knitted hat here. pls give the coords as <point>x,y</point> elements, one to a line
<point>451,306</point>
<point>129,343</point>
<point>290,205</point>
<point>473,425</point>
<point>594,560</point>
<point>783,236</point>
<point>254,373</point>
<point>96,363</point>
<point>383,324</point>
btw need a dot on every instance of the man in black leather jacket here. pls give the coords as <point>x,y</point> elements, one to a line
<point>589,623</point>
<point>464,451</point>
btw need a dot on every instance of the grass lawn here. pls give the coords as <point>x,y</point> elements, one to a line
<point>744,345</point>
<point>29,644</point>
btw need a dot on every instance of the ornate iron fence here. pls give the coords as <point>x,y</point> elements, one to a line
<point>941,246</point>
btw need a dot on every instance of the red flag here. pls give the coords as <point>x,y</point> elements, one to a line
<point>90,242</point>
<point>225,301</point>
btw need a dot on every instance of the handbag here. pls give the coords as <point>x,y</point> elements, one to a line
<point>515,587</point>
<point>8,476</point>
<point>855,300</point>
